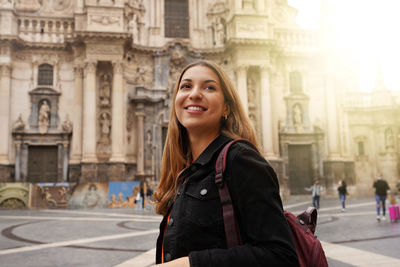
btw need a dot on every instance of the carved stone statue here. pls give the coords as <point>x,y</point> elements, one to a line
<point>389,140</point>
<point>219,32</point>
<point>19,124</point>
<point>134,29</point>
<point>298,118</point>
<point>251,88</point>
<point>67,125</point>
<point>44,117</point>
<point>105,124</point>
<point>105,90</point>
<point>141,73</point>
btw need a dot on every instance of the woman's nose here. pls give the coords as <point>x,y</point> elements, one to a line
<point>195,93</point>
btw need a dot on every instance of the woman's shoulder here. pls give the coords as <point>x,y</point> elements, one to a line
<point>245,149</point>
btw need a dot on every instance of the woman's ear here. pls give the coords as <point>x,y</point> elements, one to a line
<point>226,111</point>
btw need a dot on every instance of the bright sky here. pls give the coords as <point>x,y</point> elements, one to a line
<point>368,27</point>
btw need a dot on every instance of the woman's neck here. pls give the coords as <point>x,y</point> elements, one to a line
<point>198,143</point>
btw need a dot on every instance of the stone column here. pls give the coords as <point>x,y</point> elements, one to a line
<point>260,5</point>
<point>267,121</point>
<point>117,128</point>
<point>79,6</point>
<point>241,76</point>
<point>239,4</point>
<point>65,162</point>
<point>332,126</point>
<point>89,116</point>
<point>140,139</point>
<point>5,89</point>
<point>18,161</point>
<point>76,147</point>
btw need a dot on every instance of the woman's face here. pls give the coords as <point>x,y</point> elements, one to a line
<point>199,102</point>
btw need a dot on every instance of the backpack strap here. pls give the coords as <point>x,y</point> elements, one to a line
<point>232,232</point>
<point>308,218</point>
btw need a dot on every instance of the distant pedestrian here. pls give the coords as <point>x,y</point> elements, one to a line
<point>381,188</point>
<point>316,189</point>
<point>342,189</point>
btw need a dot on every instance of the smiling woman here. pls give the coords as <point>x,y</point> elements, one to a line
<point>206,115</point>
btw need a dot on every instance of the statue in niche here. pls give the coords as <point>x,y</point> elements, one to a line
<point>134,29</point>
<point>67,125</point>
<point>219,32</point>
<point>44,117</point>
<point>298,118</point>
<point>105,125</point>
<point>251,87</point>
<point>389,140</point>
<point>19,124</point>
<point>105,90</point>
<point>148,139</point>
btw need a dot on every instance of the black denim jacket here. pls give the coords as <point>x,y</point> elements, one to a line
<point>195,227</point>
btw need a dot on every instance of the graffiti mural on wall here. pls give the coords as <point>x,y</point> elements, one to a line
<point>122,194</point>
<point>89,195</point>
<point>50,195</point>
<point>14,195</point>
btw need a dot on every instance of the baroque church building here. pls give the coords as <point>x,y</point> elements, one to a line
<point>86,89</point>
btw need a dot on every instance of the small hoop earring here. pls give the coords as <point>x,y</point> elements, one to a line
<point>225,117</point>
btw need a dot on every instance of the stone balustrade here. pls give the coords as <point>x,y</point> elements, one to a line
<point>45,30</point>
<point>296,39</point>
<point>368,100</point>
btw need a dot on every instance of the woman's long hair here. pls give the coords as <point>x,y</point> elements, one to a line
<point>177,153</point>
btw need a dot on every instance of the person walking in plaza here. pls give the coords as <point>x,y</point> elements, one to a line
<point>381,188</point>
<point>316,189</point>
<point>206,114</point>
<point>342,189</point>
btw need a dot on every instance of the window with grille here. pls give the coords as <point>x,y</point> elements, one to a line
<point>296,85</point>
<point>45,74</point>
<point>176,18</point>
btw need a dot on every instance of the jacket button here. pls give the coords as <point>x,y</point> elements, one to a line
<point>193,168</point>
<point>171,222</point>
<point>203,191</point>
<point>167,257</point>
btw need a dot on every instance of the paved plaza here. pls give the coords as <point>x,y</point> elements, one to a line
<point>125,237</point>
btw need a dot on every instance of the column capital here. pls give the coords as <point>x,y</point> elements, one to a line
<point>241,68</point>
<point>5,70</point>
<point>90,66</point>
<point>78,70</point>
<point>265,68</point>
<point>117,66</point>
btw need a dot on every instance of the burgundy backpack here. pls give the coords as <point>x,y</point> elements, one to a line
<point>308,247</point>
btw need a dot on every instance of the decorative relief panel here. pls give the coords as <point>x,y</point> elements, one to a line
<point>104,112</point>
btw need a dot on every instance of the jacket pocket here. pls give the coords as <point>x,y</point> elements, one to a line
<point>203,205</point>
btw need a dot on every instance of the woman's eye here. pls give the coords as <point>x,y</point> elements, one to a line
<point>184,86</point>
<point>210,87</point>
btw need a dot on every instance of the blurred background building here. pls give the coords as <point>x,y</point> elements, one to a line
<point>86,89</point>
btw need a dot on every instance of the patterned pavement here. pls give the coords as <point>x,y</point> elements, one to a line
<point>124,237</point>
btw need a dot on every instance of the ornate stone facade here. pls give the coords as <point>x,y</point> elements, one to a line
<point>108,70</point>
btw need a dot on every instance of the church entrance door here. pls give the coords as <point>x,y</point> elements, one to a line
<point>42,164</point>
<point>300,168</point>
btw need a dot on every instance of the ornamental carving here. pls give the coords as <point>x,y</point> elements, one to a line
<point>19,124</point>
<point>105,20</point>
<point>105,50</point>
<point>253,28</point>
<point>177,63</point>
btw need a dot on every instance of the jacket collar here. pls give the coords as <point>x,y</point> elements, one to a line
<point>212,148</point>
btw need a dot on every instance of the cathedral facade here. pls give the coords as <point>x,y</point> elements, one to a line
<point>86,89</point>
